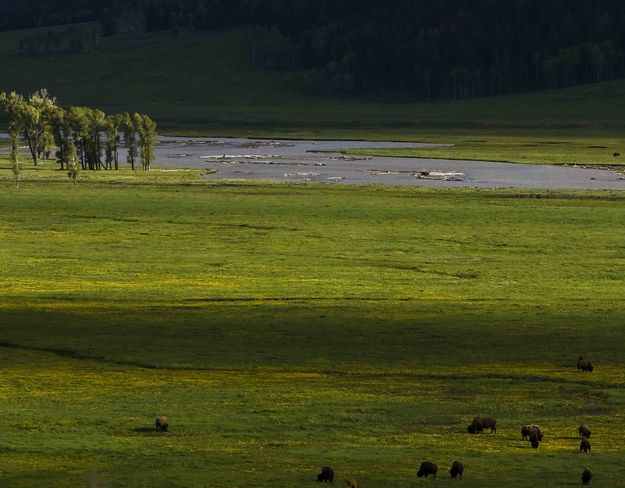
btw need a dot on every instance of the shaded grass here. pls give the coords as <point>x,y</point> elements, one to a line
<point>264,427</point>
<point>285,327</point>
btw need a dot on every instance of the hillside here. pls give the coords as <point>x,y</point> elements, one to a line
<point>207,82</point>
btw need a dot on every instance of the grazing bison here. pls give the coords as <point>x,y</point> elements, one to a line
<point>352,484</point>
<point>616,154</point>
<point>584,431</point>
<point>585,445</point>
<point>539,433</point>
<point>327,474</point>
<point>480,423</point>
<point>427,468</point>
<point>584,364</point>
<point>586,476</point>
<point>457,469</point>
<point>526,430</point>
<point>534,439</point>
<point>161,423</point>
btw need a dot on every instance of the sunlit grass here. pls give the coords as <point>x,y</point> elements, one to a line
<point>534,149</point>
<point>285,327</point>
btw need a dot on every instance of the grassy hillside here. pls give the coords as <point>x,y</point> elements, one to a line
<point>282,328</point>
<point>205,82</point>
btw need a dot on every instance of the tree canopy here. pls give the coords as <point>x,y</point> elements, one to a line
<point>81,135</point>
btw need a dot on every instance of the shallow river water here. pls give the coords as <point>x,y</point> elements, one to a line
<point>321,161</point>
<point>300,161</point>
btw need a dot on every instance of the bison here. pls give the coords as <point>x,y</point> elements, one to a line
<point>526,430</point>
<point>480,423</point>
<point>352,484</point>
<point>457,469</point>
<point>584,431</point>
<point>161,423</point>
<point>535,438</point>
<point>326,475</point>
<point>584,445</point>
<point>584,364</point>
<point>534,441</point>
<point>427,468</point>
<point>586,476</point>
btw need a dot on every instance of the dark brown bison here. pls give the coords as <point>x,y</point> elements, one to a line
<point>427,468</point>
<point>326,475</point>
<point>161,423</point>
<point>526,430</point>
<point>584,364</point>
<point>352,484</point>
<point>584,431</point>
<point>480,423</point>
<point>586,476</point>
<point>534,439</point>
<point>584,445</point>
<point>616,154</point>
<point>457,469</point>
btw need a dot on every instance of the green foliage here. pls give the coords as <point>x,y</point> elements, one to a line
<point>285,327</point>
<point>146,129</point>
<point>43,124</point>
<point>12,103</point>
<point>129,126</point>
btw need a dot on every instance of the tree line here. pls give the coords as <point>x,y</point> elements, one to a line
<point>425,49</point>
<point>83,138</point>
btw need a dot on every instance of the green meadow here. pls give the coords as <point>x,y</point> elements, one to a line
<point>602,150</point>
<point>282,328</point>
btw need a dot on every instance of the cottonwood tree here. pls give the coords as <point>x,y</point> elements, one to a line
<point>62,132</point>
<point>79,122</point>
<point>146,129</point>
<point>111,130</point>
<point>13,103</point>
<point>130,138</point>
<point>97,125</point>
<point>35,120</point>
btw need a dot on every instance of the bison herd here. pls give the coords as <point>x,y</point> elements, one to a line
<point>532,433</point>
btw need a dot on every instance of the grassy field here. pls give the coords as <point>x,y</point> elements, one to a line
<point>285,327</point>
<point>595,150</point>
